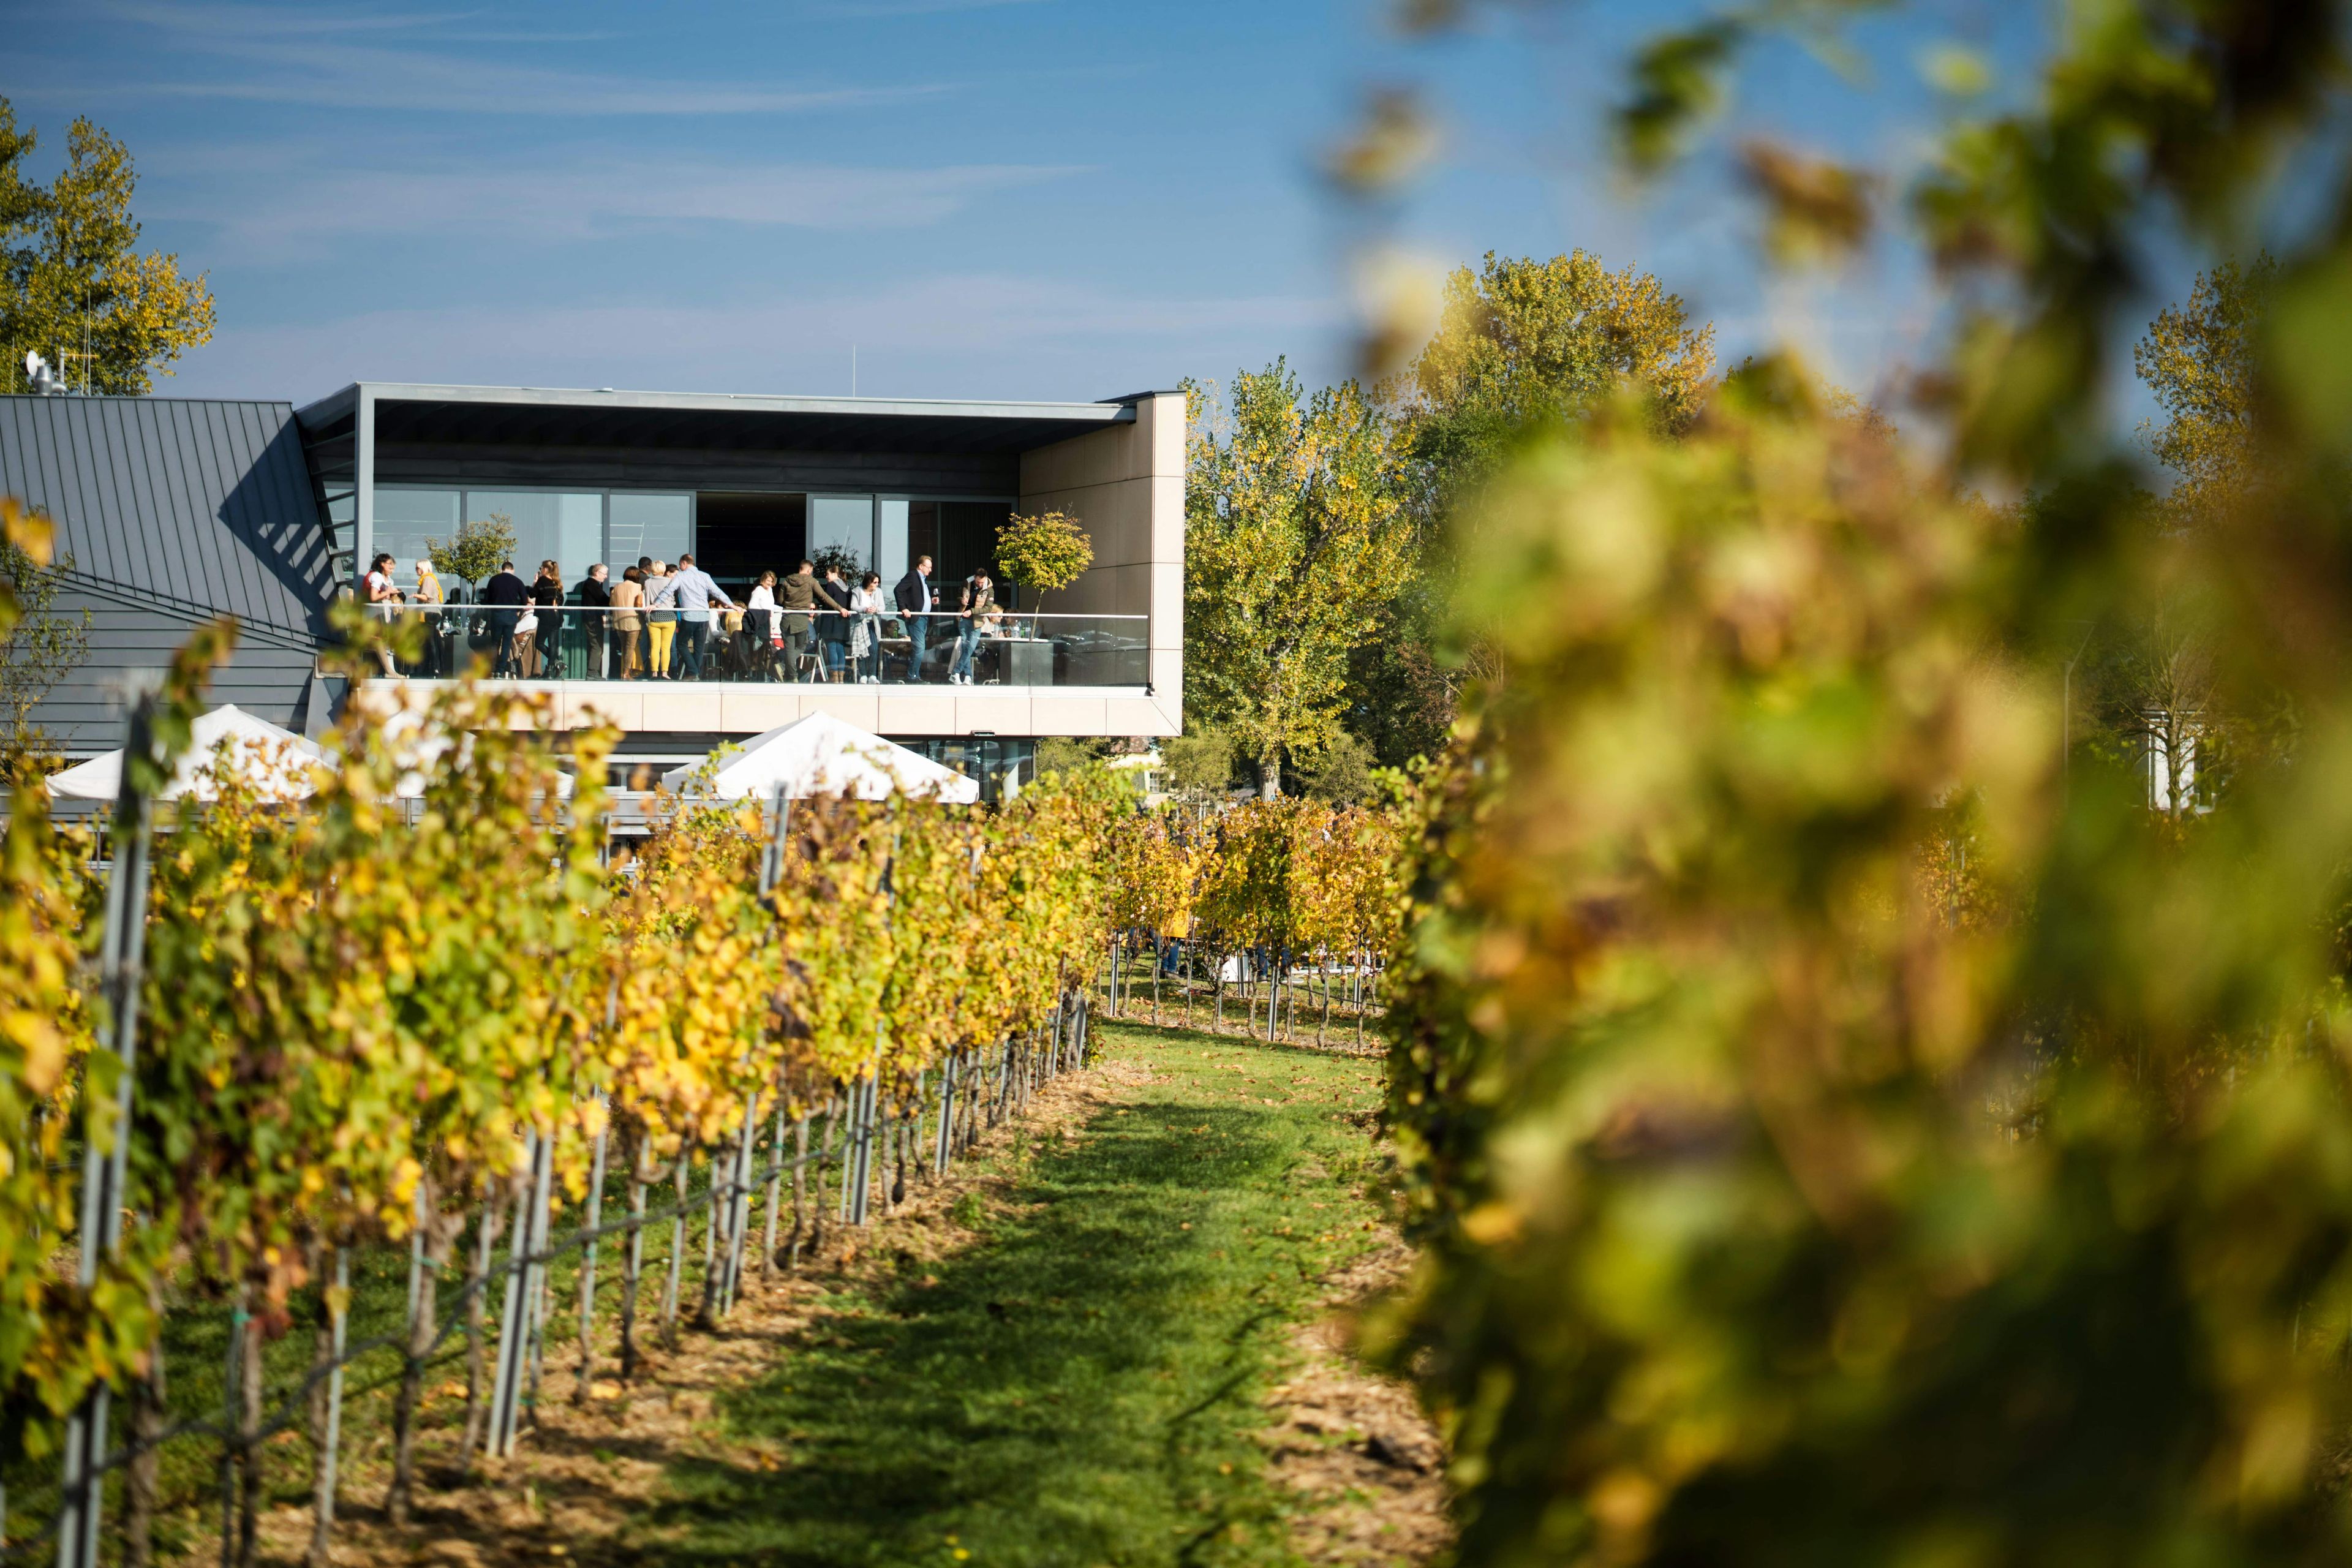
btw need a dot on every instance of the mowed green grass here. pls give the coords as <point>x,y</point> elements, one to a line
<point>1079,1387</point>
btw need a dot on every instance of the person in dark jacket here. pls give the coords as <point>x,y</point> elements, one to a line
<point>506,593</point>
<point>538,653</point>
<point>832,622</point>
<point>796,602</point>
<point>593,595</point>
<point>915,605</point>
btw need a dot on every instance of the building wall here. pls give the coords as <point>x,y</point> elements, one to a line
<point>1126,483</point>
<point>85,714</point>
<point>173,511</point>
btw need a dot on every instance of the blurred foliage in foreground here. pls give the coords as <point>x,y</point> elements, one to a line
<point>1844,1129</point>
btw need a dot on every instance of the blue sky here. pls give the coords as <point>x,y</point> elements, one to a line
<point>1019,198</point>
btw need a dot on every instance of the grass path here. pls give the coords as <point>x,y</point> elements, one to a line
<point>1079,1386</point>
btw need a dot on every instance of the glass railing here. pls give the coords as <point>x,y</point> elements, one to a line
<point>581,642</point>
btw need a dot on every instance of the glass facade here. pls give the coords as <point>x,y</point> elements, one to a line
<point>841,527</point>
<point>564,527</point>
<point>576,529</point>
<point>636,526</point>
<point>407,521</point>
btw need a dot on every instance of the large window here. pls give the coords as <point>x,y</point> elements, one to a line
<point>738,534</point>
<point>564,527</point>
<point>637,526</point>
<point>407,521</point>
<point>959,536</point>
<point>839,527</point>
<point>576,529</point>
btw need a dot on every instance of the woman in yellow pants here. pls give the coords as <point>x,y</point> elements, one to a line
<point>661,619</point>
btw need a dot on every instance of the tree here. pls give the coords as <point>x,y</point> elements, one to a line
<point>1200,763</point>
<point>1529,340</point>
<point>1761,1199</point>
<point>1296,536</point>
<point>1524,345</point>
<point>1047,552</point>
<point>481,548</point>
<point>37,646</point>
<point>73,284</point>
<point>1343,773</point>
<point>2198,359</point>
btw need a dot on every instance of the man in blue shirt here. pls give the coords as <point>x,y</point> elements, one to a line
<point>696,594</point>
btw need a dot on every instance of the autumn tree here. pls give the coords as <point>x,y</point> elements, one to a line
<point>74,286</point>
<point>1296,537</point>
<point>2153,662</point>
<point>1047,552</point>
<point>1524,345</point>
<point>1524,341</point>
<point>2198,362</point>
<point>38,645</point>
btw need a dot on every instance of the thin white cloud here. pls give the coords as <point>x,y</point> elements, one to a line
<point>276,210</point>
<point>982,334</point>
<point>262,55</point>
<point>230,20</point>
<point>912,7</point>
<point>270,21</point>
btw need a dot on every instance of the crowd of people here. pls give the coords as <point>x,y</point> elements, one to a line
<point>666,622</point>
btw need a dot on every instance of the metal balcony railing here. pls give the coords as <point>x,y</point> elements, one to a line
<point>595,643</point>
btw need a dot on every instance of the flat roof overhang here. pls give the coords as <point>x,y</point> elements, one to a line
<point>415,414</point>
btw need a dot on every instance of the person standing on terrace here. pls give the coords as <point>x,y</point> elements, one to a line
<point>429,594</point>
<point>915,605</point>
<point>628,605</point>
<point>382,595</point>
<point>505,593</point>
<point>593,596</point>
<point>865,650</point>
<point>696,595</point>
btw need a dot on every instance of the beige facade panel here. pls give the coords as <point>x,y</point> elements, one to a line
<point>1150,716</point>
<point>1007,713</point>
<point>1152,443</point>
<point>1069,715</point>
<point>1105,591</point>
<point>1117,516</point>
<point>580,707</point>
<point>918,711</point>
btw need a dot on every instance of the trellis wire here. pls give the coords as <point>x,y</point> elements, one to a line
<point>87,1460</point>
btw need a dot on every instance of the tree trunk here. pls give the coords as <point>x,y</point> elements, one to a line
<point>632,1270</point>
<point>322,1442</point>
<point>718,1226</point>
<point>248,1445</point>
<point>476,1412</point>
<point>800,1187</point>
<point>146,1425</point>
<point>421,1329</point>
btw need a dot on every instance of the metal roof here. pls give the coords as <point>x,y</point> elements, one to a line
<point>195,505</point>
<point>425,413</point>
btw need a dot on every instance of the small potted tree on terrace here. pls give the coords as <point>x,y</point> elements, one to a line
<point>1047,552</point>
<point>473,557</point>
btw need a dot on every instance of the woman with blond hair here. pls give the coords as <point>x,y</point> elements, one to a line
<point>628,623</point>
<point>661,618</point>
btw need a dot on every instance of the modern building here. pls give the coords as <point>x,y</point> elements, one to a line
<point>173,511</point>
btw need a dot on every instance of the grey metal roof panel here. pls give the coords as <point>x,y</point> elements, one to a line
<point>201,503</point>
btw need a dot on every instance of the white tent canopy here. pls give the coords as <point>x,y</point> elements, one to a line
<point>820,755</point>
<point>419,745</point>
<point>276,763</point>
